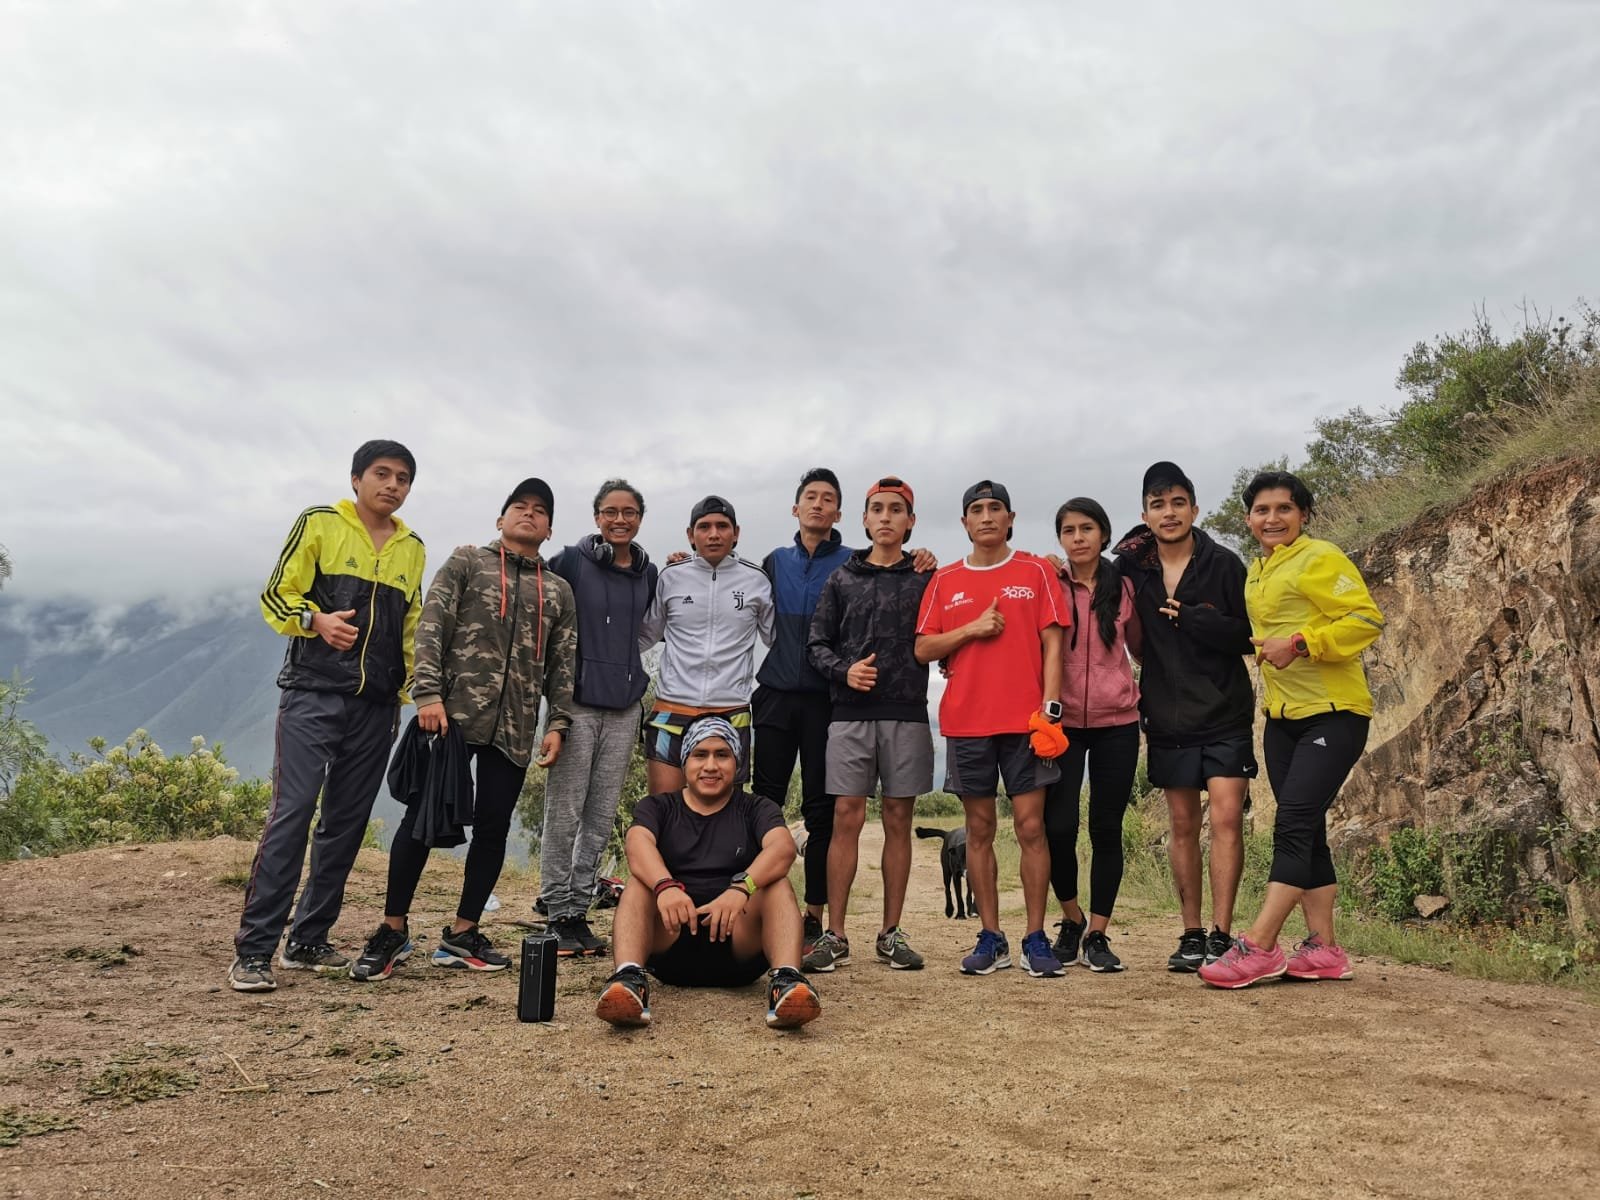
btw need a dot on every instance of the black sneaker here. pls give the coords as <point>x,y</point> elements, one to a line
<point>468,949</point>
<point>625,998</point>
<point>593,947</point>
<point>1069,939</point>
<point>811,931</point>
<point>385,950</point>
<point>311,956</point>
<point>252,973</point>
<point>1097,955</point>
<point>1217,944</point>
<point>1191,952</point>
<point>791,1000</point>
<point>568,942</point>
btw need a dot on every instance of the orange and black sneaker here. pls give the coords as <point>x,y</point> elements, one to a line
<point>625,998</point>
<point>791,999</point>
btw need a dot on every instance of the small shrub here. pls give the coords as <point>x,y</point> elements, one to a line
<point>132,792</point>
<point>1411,865</point>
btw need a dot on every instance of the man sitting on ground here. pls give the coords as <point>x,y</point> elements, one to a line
<point>708,901</point>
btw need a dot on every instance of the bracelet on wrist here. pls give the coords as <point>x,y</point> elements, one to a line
<point>668,884</point>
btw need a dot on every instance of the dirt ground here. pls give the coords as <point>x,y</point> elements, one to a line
<point>1403,1082</point>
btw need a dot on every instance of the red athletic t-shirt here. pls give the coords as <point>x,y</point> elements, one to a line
<point>995,684</point>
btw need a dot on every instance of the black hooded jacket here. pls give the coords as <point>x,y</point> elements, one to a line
<point>1194,687</point>
<point>867,609</point>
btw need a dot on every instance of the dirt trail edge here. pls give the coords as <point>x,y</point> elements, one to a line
<point>1403,1082</point>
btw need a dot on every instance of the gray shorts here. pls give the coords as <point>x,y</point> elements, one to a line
<point>974,766</point>
<point>863,753</point>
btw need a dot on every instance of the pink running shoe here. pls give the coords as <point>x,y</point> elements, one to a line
<point>1312,960</point>
<point>1243,965</point>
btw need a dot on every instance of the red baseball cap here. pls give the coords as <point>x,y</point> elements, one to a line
<point>893,483</point>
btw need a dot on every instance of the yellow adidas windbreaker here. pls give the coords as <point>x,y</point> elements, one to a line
<point>1309,587</point>
<point>328,565</point>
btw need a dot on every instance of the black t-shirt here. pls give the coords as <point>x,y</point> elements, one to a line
<point>704,853</point>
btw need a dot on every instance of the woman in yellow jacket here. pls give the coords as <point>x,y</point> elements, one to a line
<point>1312,616</point>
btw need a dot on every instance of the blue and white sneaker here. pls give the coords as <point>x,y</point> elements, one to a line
<point>1039,958</point>
<point>991,954</point>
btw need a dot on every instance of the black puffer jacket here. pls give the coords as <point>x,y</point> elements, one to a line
<point>1194,687</point>
<point>867,609</point>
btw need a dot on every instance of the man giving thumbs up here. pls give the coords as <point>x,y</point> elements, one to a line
<point>863,639</point>
<point>996,617</point>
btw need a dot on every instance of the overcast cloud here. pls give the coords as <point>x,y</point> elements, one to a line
<point>709,246</point>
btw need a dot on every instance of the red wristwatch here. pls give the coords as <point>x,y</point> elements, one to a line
<point>1298,641</point>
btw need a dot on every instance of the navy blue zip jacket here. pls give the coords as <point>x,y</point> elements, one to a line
<point>797,579</point>
<point>611,603</point>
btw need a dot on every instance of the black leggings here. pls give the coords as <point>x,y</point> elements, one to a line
<point>1112,753</point>
<point>498,785</point>
<point>1308,761</point>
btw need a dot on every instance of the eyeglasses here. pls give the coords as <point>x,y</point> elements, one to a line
<point>627,514</point>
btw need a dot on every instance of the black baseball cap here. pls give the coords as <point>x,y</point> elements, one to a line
<point>710,506</point>
<point>532,486</point>
<point>985,489</point>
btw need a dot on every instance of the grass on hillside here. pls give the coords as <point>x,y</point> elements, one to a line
<point>1555,428</point>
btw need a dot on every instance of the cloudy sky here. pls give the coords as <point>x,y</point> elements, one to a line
<point>707,246</point>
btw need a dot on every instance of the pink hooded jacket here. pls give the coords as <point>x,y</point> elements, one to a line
<point>1097,684</point>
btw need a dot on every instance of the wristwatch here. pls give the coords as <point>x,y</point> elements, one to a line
<point>1298,641</point>
<point>745,883</point>
<point>306,615</point>
<point>1051,710</point>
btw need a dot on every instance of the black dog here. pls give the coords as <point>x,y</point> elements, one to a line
<point>953,861</point>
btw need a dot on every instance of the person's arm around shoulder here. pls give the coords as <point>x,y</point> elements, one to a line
<point>766,609</point>
<point>772,864</point>
<point>560,671</point>
<point>647,866</point>
<point>435,628</point>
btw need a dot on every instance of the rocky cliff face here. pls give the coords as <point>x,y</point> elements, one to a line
<point>1487,686</point>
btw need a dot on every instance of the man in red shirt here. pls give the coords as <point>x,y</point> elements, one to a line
<point>996,618</point>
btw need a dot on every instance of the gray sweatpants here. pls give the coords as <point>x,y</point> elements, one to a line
<point>581,795</point>
<point>335,745</point>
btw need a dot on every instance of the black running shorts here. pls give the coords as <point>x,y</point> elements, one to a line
<point>1192,766</point>
<point>694,960</point>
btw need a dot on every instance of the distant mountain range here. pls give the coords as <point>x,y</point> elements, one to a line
<point>106,672</point>
<point>206,669</point>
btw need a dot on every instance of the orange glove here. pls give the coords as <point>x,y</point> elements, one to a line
<point>1047,738</point>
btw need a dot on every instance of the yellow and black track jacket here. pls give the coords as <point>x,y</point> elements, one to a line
<point>1309,587</point>
<point>328,565</point>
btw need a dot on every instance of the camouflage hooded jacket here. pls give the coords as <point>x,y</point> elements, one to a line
<point>498,632</point>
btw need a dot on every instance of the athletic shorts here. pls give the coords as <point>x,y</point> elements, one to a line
<point>663,736</point>
<point>1191,766</point>
<point>861,754</point>
<point>973,766</point>
<point>694,960</point>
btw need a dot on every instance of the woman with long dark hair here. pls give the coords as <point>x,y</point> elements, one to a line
<point>1312,616</point>
<point>1100,714</point>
